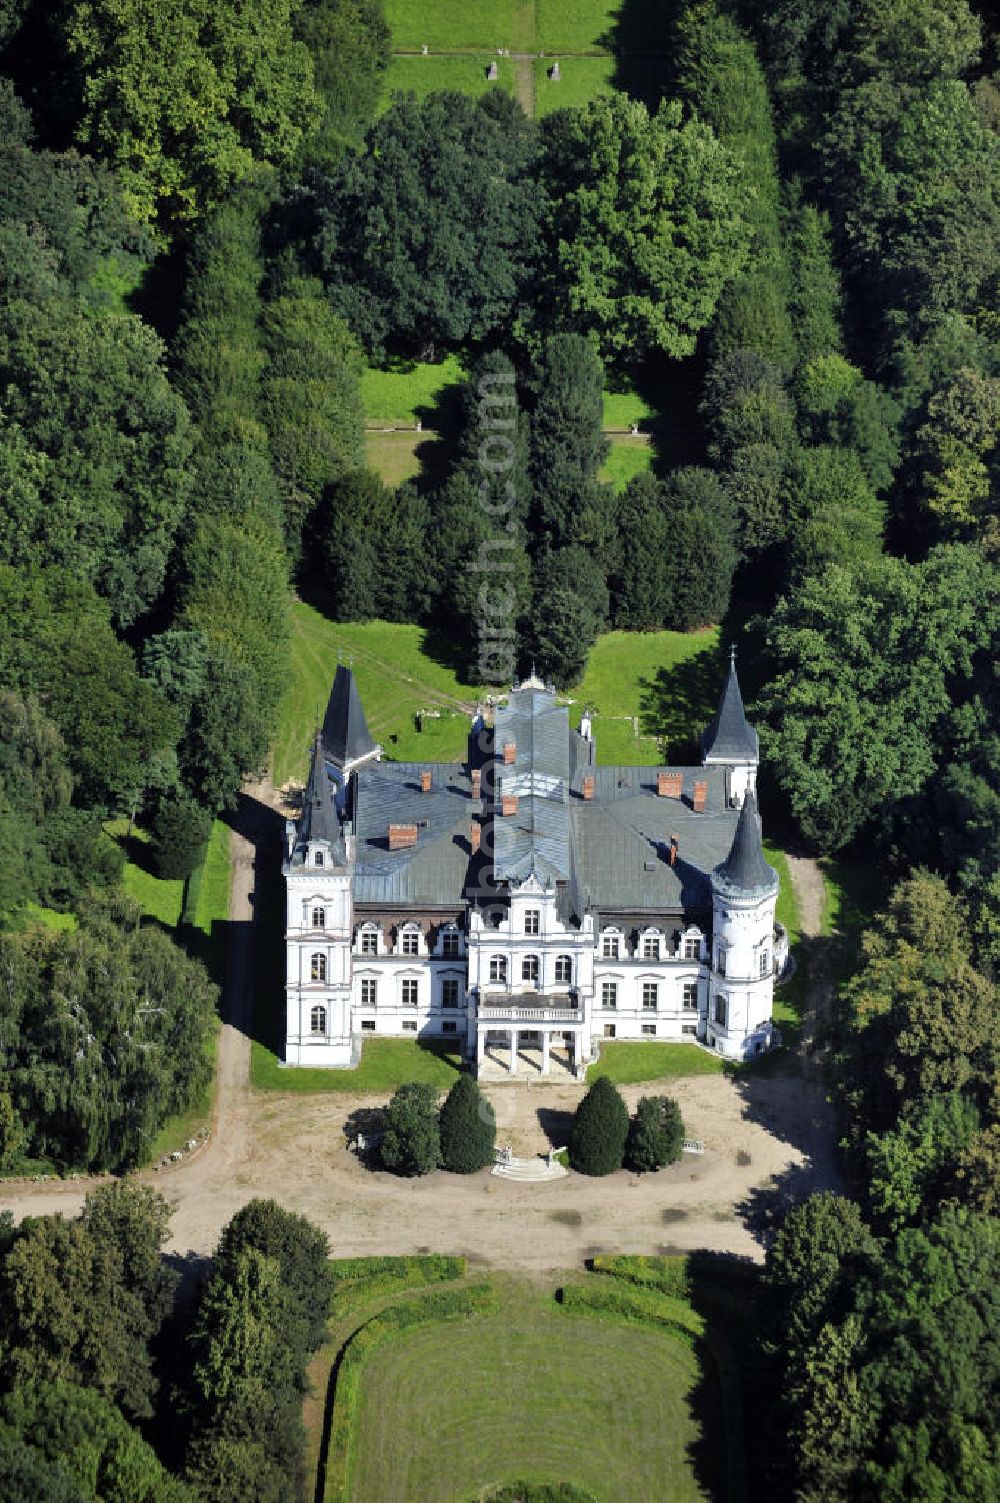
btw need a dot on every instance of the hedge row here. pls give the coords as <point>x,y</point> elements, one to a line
<point>438,1304</point>
<point>647,1306</point>
<point>668,1275</point>
<point>358,1280</point>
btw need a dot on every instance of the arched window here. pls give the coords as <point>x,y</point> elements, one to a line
<point>318,858</point>
<point>319,918</point>
<point>317,1020</point>
<point>529,968</point>
<point>564,968</point>
<point>498,968</point>
<point>319,968</point>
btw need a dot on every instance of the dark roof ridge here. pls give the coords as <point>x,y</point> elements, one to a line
<point>730,738</point>
<point>346,737</point>
<point>745,869</point>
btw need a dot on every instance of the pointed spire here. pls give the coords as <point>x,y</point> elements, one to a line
<point>745,870</point>
<point>730,738</point>
<point>345,735</point>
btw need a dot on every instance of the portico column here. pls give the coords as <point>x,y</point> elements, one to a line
<point>545,1051</point>
<point>513,1051</point>
<point>480,1048</point>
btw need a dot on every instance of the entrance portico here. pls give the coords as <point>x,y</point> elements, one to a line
<point>531,1042</point>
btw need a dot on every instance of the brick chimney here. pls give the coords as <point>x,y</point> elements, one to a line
<point>509,753</point>
<point>699,797</point>
<point>508,803</point>
<point>475,833</point>
<point>426,778</point>
<point>669,784</point>
<point>588,786</point>
<point>477,783</point>
<point>401,837</point>
<point>673,850</point>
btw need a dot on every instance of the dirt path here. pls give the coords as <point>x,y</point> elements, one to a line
<point>810,893</point>
<point>524,84</point>
<point>767,1137</point>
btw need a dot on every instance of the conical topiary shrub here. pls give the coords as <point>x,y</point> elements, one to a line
<point>600,1127</point>
<point>468,1128</point>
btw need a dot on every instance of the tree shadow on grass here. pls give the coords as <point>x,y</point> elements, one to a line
<point>642,39</point>
<point>676,703</point>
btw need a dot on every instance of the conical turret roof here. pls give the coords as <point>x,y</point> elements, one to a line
<point>745,870</point>
<point>346,737</point>
<point>730,738</point>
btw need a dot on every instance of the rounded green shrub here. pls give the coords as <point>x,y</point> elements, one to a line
<point>655,1135</point>
<point>600,1128</point>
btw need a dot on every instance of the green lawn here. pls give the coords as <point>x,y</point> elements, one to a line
<point>531,1394</point>
<point>622,663</point>
<point>628,1064</point>
<point>385,1064</point>
<point>790,997</point>
<point>617,743</point>
<point>49,918</point>
<point>451,24</point>
<point>465,73</point>
<point>574,25</point>
<point>582,79</point>
<point>158,898</point>
<point>400,393</point>
<point>396,677</point>
<point>623,408</point>
<point>627,457</point>
<point>394,455</point>
<point>855,891</point>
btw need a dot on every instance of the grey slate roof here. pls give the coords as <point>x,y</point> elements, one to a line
<point>729,738</point>
<point>346,737</point>
<point>319,819</point>
<point>535,840</point>
<point>435,871</point>
<point>745,870</point>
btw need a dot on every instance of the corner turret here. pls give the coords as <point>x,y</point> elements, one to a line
<point>741,984</point>
<point>731,741</point>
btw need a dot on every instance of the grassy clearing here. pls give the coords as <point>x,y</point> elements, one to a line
<point>581,80</point>
<point>574,25</point>
<point>627,457</point>
<point>465,73</point>
<point>396,676</point>
<point>617,743</point>
<point>159,898</point>
<point>622,665</point>
<point>451,24</point>
<point>623,408</point>
<point>393,456</point>
<point>790,998</point>
<point>408,390</point>
<point>855,891</point>
<point>38,916</point>
<point>505,1396</point>
<point>628,1064</point>
<point>385,1064</point>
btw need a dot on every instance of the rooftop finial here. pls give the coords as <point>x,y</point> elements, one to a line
<point>732,655</point>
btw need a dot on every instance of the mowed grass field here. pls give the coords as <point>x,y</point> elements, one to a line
<point>531,1393</point>
<point>581,79</point>
<point>574,25</point>
<point>451,25</point>
<point>406,391</point>
<point>627,457</point>
<point>466,73</point>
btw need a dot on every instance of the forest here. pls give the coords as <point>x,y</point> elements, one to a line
<point>784,231</point>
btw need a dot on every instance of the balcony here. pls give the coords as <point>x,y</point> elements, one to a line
<point>528,1007</point>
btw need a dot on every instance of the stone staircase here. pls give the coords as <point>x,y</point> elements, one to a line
<point>527,1171</point>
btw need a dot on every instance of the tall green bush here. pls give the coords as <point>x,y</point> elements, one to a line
<point>600,1128</point>
<point>468,1128</point>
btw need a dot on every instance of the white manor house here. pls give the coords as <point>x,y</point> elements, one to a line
<point>531,903</point>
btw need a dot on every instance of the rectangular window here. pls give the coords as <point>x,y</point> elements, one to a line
<point>369,992</point>
<point>529,968</point>
<point>564,968</point>
<point>498,968</point>
<point>609,994</point>
<point>449,946</point>
<point>649,1030</point>
<point>692,947</point>
<point>609,946</point>
<point>650,993</point>
<point>409,1027</point>
<point>690,1029</point>
<point>319,918</point>
<point>720,1011</point>
<point>449,1027</point>
<point>367,1025</point>
<point>609,1030</point>
<point>369,941</point>
<point>720,961</point>
<point>651,947</point>
<point>765,963</point>
<point>689,996</point>
<point>411,942</point>
<point>409,993</point>
<point>532,920</point>
<point>449,992</point>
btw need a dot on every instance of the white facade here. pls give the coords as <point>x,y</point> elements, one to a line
<point>538,974</point>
